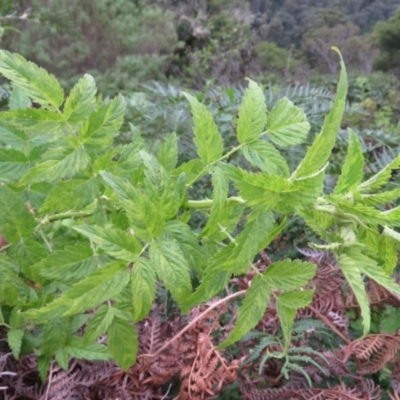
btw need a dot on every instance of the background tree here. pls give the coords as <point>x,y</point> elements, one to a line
<point>388,38</point>
<point>126,42</point>
<point>317,43</point>
<point>131,43</point>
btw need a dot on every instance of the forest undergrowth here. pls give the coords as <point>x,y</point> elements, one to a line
<point>180,351</point>
<point>245,266</point>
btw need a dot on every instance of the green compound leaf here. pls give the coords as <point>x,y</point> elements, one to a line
<point>70,263</point>
<point>392,216</point>
<point>55,334</point>
<point>377,199</point>
<point>34,81</point>
<point>392,233</point>
<point>88,293</point>
<point>115,242</point>
<point>256,235</point>
<point>147,218</point>
<point>318,153</point>
<point>165,192</point>
<point>26,253</point>
<point>231,216</point>
<point>33,120</point>
<point>264,191</point>
<point>74,194</point>
<point>171,267</point>
<point>318,221</point>
<point>362,214</point>
<point>265,156</point>
<point>353,276</point>
<point>353,264</point>
<point>251,311</point>
<point>11,285</point>
<point>18,100</point>
<point>128,160</point>
<point>287,124</point>
<point>13,165</point>
<point>191,168</point>
<point>168,153</point>
<point>237,259</point>
<point>16,138</point>
<point>370,268</point>
<point>252,114</point>
<point>287,306</point>
<point>103,125</point>
<point>14,339</point>
<point>43,365</point>
<point>143,287</point>
<point>369,236</point>
<point>352,171</point>
<point>16,222</point>
<point>305,193</point>
<point>207,138</point>
<point>211,284</point>
<point>288,274</point>
<point>220,194</point>
<point>123,343</point>
<point>387,252</point>
<point>65,163</point>
<point>381,178</point>
<point>296,299</point>
<point>188,242</point>
<point>82,100</point>
<point>75,348</point>
<point>98,324</point>
<point>261,189</point>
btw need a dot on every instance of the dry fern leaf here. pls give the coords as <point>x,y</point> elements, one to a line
<point>251,392</point>
<point>204,377</point>
<point>394,396</point>
<point>368,392</point>
<point>374,351</point>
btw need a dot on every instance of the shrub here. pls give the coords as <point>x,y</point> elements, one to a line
<point>90,228</point>
<point>118,41</point>
<point>273,57</point>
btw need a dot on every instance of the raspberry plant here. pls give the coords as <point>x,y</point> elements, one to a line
<point>90,227</point>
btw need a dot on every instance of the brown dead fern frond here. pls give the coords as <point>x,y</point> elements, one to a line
<point>60,383</point>
<point>94,373</point>
<point>249,391</point>
<point>376,293</point>
<point>204,377</point>
<point>366,391</point>
<point>20,378</point>
<point>394,396</point>
<point>373,352</point>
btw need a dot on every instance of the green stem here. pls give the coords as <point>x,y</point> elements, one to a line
<point>206,168</point>
<point>49,247</point>
<point>56,217</point>
<point>143,249</point>
<point>226,233</point>
<point>207,203</point>
<point>254,268</point>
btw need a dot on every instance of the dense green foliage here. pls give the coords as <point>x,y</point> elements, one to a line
<point>389,43</point>
<point>119,43</point>
<point>117,212</point>
<point>91,226</point>
<point>124,43</point>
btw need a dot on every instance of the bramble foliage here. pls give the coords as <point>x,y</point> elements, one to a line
<point>92,227</point>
